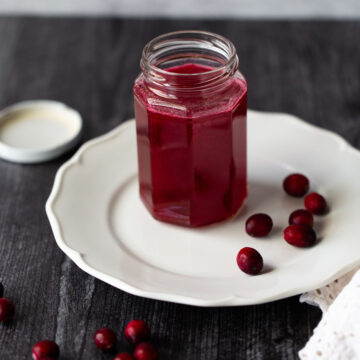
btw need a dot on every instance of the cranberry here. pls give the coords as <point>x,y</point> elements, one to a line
<point>123,356</point>
<point>7,310</point>
<point>137,331</point>
<point>45,349</point>
<point>105,339</point>
<point>249,261</point>
<point>146,351</point>
<point>296,185</point>
<point>300,235</point>
<point>301,217</point>
<point>1,290</point>
<point>258,225</point>
<point>315,203</point>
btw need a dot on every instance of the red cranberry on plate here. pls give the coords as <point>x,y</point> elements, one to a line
<point>300,235</point>
<point>146,351</point>
<point>45,349</point>
<point>249,261</point>
<point>1,290</point>
<point>105,339</point>
<point>258,225</point>
<point>123,356</point>
<point>301,217</point>
<point>296,185</point>
<point>315,203</point>
<point>7,310</point>
<point>137,331</point>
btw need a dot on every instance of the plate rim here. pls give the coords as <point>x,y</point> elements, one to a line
<point>79,259</point>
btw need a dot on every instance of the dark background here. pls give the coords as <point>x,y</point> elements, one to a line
<point>310,69</point>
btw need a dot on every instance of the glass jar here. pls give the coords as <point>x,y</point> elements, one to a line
<point>190,108</point>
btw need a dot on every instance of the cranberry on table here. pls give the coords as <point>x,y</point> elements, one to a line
<point>1,290</point>
<point>137,331</point>
<point>300,235</point>
<point>296,185</point>
<point>258,225</point>
<point>146,351</point>
<point>249,261</point>
<point>7,310</point>
<point>45,349</point>
<point>301,217</point>
<point>316,203</point>
<point>123,356</point>
<point>105,339</point>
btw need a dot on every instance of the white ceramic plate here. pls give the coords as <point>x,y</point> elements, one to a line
<point>99,221</point>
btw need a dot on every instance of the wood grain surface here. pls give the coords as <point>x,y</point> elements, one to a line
<point>310,69</point>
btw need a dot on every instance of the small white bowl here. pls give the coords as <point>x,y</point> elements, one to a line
<point>38,131</point>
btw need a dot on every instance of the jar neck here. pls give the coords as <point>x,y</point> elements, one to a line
<point>188,63</point>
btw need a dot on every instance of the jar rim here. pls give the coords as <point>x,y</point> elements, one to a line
<point>232,57</point>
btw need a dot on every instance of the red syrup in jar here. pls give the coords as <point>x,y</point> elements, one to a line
<point>192,148</point>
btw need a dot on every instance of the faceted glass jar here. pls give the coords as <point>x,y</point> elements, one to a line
<point>190,109</point>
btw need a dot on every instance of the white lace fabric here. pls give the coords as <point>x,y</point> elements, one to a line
<point>337,337</point>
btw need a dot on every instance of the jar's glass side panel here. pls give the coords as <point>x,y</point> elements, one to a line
<point>219,164</point>
<point>143,151</point>
<point>170,143</point>
<point>164,156</point>
<point>239,149</point>
<point>213,168</point>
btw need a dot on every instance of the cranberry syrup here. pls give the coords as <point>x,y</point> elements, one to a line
<point>192,152</point>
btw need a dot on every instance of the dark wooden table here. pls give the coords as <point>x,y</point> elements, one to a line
<point>310,69</point>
